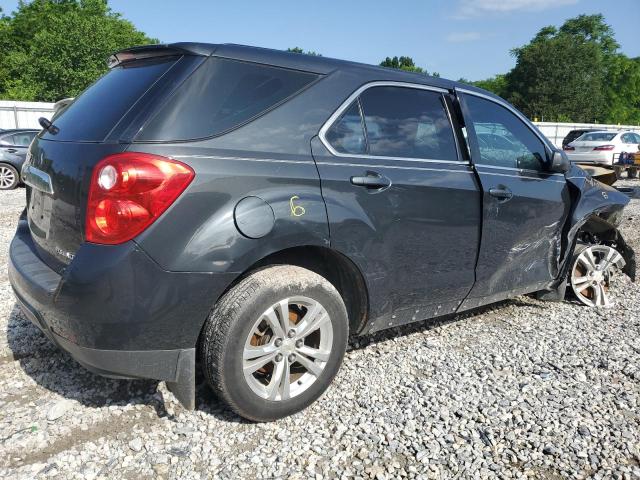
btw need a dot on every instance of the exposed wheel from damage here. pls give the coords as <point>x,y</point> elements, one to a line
<point>274,342</point>
<point>591,271</point>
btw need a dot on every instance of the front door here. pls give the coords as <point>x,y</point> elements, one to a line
<point>524,205</point>
<point>402,203</point>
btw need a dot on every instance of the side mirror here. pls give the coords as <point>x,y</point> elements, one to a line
<point>559,162</point>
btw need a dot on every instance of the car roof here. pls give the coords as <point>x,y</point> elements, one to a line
<point>311,63</point>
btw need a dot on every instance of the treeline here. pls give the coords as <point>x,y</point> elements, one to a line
<point>574,73</point>
<point>52,49</point>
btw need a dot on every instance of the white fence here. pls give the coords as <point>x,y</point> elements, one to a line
<point>557,131</point>
<point>23,114</point>
<point>26,114</point>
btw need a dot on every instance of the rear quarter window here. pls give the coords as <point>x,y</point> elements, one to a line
<point>221,95</point>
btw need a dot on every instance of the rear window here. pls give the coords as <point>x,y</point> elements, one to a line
<point>597,137</point>
<point>222,94</point>
<point>99,108</point>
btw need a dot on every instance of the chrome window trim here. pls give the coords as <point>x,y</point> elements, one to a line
<point>545,141</point>
<point>521,170</point>
<point>382,83</point>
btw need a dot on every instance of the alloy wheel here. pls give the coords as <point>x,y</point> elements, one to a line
<point>7,177</point>
<point>591,273</point>
<point>287,348</point>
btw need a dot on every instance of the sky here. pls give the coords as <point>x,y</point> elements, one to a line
<point>457,38</point>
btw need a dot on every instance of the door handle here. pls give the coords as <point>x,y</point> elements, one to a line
<point>371,180</point>
<point>12,150</point>
<point>501,193</point>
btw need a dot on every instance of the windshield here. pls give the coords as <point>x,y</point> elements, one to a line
<point>597,137</point>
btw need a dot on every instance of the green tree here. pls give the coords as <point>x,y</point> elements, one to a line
<point>623,90</point>
<point>300,50</point>
<point>560,75</point>
<point>592,28</point>
<point>497,84</point>
<point>401,63</point>
<point>405,63</point>
<point>56,48</point>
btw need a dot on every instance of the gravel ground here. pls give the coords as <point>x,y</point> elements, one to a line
<point>522,389</point>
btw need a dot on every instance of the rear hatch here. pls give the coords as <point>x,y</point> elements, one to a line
<point>103,120</point>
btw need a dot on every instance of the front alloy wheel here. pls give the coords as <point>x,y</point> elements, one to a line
<point>591,273</point>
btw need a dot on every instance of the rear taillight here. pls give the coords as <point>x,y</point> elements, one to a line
<point>568,148</point>
<point>129,191</point>
<point>605,147</point>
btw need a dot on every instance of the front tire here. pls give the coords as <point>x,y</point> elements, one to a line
<point>9,178</point>
<point>274,342</point>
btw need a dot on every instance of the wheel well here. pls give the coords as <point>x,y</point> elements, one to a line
<point>336,268</point>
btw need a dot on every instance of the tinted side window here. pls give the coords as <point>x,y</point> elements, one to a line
<point>407,122</point>
<point>346,135</point>
<point>221,95</point>
<point>22,139</point>
<point>504,140</point>
<point>101,106</point>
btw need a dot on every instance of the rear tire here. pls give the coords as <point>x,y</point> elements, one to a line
<point>9,177</point>
<point>266,365</point>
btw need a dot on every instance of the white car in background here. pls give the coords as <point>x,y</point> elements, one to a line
<point>602,147</point>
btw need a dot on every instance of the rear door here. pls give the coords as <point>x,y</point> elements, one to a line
<point>402,202</point>
<point>524,206</point>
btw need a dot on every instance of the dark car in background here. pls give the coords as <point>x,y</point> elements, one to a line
<point>13,150</point>
<point>253,208</point>
<point>573,134</point>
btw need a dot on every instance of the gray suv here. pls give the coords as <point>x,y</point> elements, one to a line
<point>247,210</point>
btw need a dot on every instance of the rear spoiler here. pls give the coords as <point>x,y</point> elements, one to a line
<point>159,50</point>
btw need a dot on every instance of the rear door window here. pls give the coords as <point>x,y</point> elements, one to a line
<point>407,122</point>
<point>99,108</point>
<point>222,94</point>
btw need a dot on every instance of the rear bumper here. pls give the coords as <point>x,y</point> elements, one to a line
<point>595,158</point>
<point>115,310</point>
